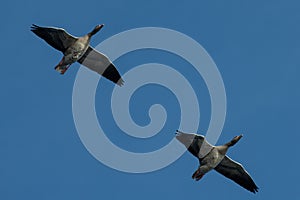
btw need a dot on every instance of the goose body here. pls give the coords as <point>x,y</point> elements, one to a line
<point>78,49</point>
<point>215,158</point>
<point>73,53</point>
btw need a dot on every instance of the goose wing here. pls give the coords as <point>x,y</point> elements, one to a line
<point>58,38</point>
<point>236,172</point>
<point>99,63</point>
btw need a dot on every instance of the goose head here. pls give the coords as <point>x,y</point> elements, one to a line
<point>95,30</point>
<point>234,141</point>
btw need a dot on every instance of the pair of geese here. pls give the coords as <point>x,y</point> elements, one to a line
<point>78,49</point>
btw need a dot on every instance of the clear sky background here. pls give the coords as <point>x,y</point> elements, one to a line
<point>256,47</point>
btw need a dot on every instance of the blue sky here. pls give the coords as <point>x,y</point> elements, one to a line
<point>255,46</point>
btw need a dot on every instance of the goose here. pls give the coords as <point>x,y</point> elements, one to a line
<point>78,49</point>
<point>216,159</point>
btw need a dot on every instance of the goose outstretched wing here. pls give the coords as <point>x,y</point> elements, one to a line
<point>58,38</point>
<point>99,63</point>
<point>236,172</point>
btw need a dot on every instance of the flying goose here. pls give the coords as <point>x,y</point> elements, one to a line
<point>216,159</point>
<point>78,49</point>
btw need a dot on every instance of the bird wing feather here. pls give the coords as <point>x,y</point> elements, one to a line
<point>58,38</point>
<point>236,172</point>
<point>99,63</point>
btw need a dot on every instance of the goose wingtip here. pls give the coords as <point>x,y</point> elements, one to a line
<point>120,82</point>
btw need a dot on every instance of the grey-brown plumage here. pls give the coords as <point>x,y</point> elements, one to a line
<point>77,49</point>
<point>215,158</point>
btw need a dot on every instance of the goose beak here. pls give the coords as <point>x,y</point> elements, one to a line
<point>98,27</point>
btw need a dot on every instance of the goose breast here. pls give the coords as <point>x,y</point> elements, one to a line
<point>213,158</point>
<point>77,50</point>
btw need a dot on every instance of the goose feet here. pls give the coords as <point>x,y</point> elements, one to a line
<point>62,69</point>
<point>197,175</point>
